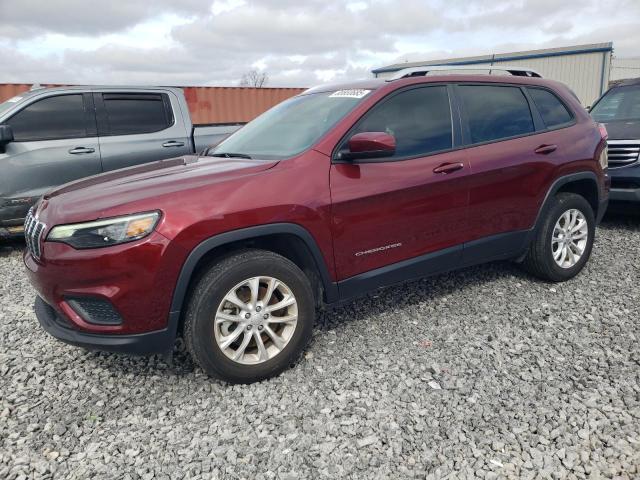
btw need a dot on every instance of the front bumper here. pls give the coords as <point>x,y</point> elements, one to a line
<point>114,298</point>
<point>625,184</point>
<point>13,211</point>
<point>11,233</point>
<point>625,195</point>
<point>57,326</point>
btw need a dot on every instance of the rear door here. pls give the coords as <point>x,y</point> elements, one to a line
<point>392,209</point>
<point>513,156</point>
<point>55,142</point>
<point>136,128</point>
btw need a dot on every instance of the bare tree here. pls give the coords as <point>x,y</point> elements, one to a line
<point>254,78</point>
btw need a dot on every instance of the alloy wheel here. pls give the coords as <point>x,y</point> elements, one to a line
<point>256,320</point>
<point>569,239</point>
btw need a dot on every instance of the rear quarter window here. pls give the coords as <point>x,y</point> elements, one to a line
<point>554,113</point>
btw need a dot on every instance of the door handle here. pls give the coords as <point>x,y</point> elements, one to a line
<point>173,143</point>
<point>81,150</point>
<point>448,167</point>
<point>546,149</point>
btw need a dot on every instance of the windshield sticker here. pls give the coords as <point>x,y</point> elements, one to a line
<point>352,93</point>
<point>14,99</point>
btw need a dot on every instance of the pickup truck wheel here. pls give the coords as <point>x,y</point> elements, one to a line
<point>564,241</point>
<point>250,317</point>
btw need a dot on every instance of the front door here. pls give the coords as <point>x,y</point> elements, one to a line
<point>55,142</point>
<point>408,205</point>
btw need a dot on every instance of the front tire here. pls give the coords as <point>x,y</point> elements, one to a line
<point>250,317</point>
<point>563,243</point>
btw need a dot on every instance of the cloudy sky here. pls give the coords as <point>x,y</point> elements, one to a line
<point>296,42</point>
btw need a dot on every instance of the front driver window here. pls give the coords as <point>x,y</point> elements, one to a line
<point>419,119</point>
<point>52,118</point>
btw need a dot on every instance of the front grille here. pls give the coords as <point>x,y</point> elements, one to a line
<point>623,152</point>
<point>33,231</point>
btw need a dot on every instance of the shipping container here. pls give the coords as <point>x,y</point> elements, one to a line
<point>208,105</point>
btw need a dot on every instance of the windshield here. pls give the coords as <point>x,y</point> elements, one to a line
<point>621,103</point>
<point>4,106</point>
<point>292,126</point>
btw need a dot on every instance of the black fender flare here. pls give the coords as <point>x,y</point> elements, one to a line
<point>194,257</point>
<point>562,181</point>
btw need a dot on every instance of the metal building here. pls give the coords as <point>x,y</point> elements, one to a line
<point>624,68</point>
<point>584,68</point>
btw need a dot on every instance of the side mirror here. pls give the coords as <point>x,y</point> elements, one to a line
<point>6,135</point>
<point>370,145</point>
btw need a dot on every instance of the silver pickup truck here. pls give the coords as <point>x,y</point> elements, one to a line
<point>52,136</point>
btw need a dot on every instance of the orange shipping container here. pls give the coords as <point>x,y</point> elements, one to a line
<point>208,104</point>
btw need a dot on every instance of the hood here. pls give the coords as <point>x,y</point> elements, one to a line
<point>131,189</point>
<point>623,129</point>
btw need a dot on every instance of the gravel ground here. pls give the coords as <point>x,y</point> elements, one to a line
<point>482,373</point>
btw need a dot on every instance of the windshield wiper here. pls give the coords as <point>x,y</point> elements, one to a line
<point>230,155</point>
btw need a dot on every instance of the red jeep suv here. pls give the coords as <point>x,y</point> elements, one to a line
<point>333,193</point>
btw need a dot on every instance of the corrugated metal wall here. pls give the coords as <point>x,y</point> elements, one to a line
<point>623,68</point>
<point>8,90</point>
<point>584,73</point>
<point>209,104</point>
<point>587,74</point>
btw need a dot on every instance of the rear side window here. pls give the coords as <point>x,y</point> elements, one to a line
<point>130,114</point>
<point>495,112</point>
<point>552,110</point>
<point>419,119</point>
<point>52,118</point>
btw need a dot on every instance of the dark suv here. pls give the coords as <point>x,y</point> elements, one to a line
<point>333,193</point>
<point>619,110</point>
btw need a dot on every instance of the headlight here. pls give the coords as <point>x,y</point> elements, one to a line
<point>103,233</point>
<point>604,158</point>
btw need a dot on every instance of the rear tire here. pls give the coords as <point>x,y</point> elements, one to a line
<point>246,340</point>
<point>563,242</point>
